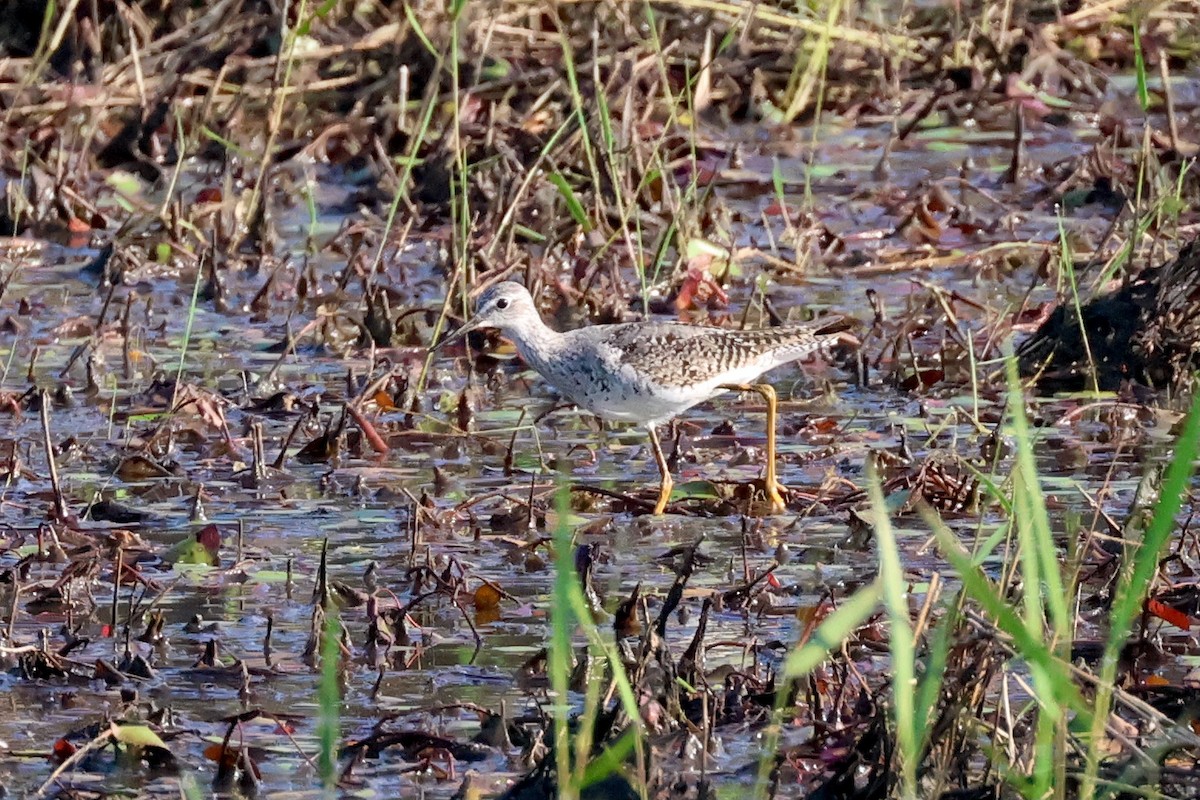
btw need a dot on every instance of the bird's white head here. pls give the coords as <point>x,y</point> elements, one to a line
<point>506,306</point>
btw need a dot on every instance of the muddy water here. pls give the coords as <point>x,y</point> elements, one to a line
<point>363,510</point>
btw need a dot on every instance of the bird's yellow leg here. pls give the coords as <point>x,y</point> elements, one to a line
<point>770,480</point>
<point>664,488</point>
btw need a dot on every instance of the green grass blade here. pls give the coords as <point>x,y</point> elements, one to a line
<point>1067,267</point>
<point>562,621</point>
<point>611,759</point>
<point>574,207</point>
<point>1139,67</point>
<point>411,17</point>
<point>903,647</point>
<point>329,699</point>
<point>930,688</point>
<point>1132,590</point>
<point>1041,571</point>
<point>1135,582</point>
<point>1031,648</point>
<point>569,608</point>
<point>829,636</point>
<point>187,333</point>
<point>833,630</point>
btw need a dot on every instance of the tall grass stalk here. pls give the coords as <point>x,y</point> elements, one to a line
<point>289,36</point>
<point>1164,204</point>
<point>410,159</point>
<point>49,38</point>
<point>1140,563</point>
<point>973,362</point>
<point>187,332</point>
<point>903,645</point>
<point>682,205</point>
<point>408,163</point>
<point>1173,204</point>
<point>1033,649</point>
<point>803,84</point>
<point>929,687</point>
<point>617,161</point>
<point>8,362</point>
<point>1039,625</point>
<point>1042,587</point>
<point>574,763</point>
<point>181,146</point>
<point>581,117</point>
<point>1139,66</point>
<point>1038,555</point>
<point>1066,262</point>
<point>329,699</point>
<point>460,204</point>
<point>805,657</point>
<point>662,173</point>
<point>1054,690</point>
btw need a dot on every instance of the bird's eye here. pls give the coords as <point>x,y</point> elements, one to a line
<point>501,304</point>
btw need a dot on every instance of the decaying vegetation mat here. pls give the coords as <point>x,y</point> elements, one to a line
<point>256,539</point>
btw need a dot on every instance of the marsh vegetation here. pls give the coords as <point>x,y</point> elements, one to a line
<point>256,539</point>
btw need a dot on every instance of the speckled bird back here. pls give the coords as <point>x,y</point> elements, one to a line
<point>674,354</point>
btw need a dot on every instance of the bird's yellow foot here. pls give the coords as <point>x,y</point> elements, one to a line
<point>774,493</point>
<point>664,495</point>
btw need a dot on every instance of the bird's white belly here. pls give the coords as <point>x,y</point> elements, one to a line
<point>646,409</point>
<point>656,405</point>
<point>621,394</point>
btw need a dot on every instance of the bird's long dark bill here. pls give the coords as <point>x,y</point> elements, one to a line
<point>834,324</point>
<point>840,327</point>
<point>451,338</point>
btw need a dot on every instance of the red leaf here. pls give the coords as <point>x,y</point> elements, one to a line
<point>221,754</point>
<point>63,750</point>
<point>926,378</point>
<point>686,297</point>
<point>1167,614</point>
<point>210,539</point>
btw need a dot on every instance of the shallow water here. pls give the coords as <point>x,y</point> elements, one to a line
<point>363,507</point>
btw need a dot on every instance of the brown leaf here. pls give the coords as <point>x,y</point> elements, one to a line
<point>487,597</point>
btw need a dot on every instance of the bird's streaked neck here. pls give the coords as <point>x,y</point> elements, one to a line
<point>535,340</point>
